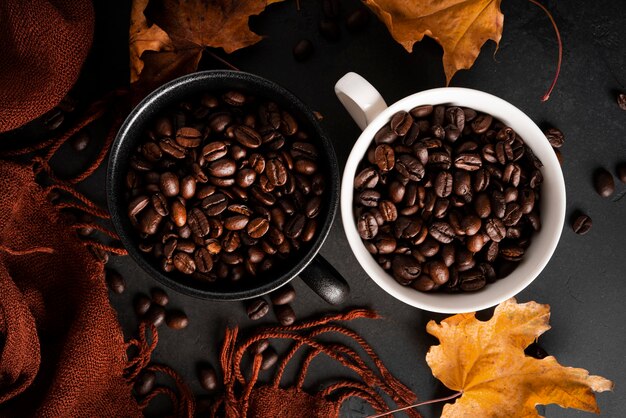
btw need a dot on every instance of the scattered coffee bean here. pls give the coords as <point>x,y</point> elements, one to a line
<point>621,100</point>
<point>303,50</point>
<point>444,195</point>
<point>176,319</point>
<point>329,29</point>
<point>53,119</point>
<point>142,303</point>
<point>259,346</point>
<point>159,296</point>
<point>116,282</point>
<point>603,182</point>
<point>270,357</point>
<point>145,382</point>
<point>582,224</point>
<point>257,309</point>
<point>207,376</point>
<point>555,137</point>
<point>155,315</point>
<point>284,295</point>
<point>285,314</point>
<point>357,20</point>
<point>80,141</point>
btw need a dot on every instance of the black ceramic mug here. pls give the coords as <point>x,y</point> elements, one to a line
<point>316,272</point>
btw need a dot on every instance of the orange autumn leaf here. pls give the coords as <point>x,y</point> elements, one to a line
<point>173,44</point>
<point>486,362</point>
<point>461,27</point>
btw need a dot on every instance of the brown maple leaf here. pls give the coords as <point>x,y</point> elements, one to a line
<point>486,362</point>
<point>173,45</point>
<point>461,27</point>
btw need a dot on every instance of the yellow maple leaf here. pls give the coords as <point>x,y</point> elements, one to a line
<point>486,362</point>
<point>461,27</point>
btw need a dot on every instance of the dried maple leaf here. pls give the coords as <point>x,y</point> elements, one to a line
<point>460,26</point>
<point>486,362</point>
<point>174,43</point>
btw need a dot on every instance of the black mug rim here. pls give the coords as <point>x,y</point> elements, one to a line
<point>146,109</point>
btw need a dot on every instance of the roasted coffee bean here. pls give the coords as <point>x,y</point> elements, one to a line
<point>176,319</point>
<point>367,226</point>
<point>257,227</point>
<point>481,123</point>
<point>169,184</point>
<point>443,184</point>
<point>155,315</point>
<point>141,304</point>
<point>270,357</point>
<point>468,162</point>
<point>401,123</point>
<point>303,50</point>
<point>115,281</point>
<point>150,221</point>
<point>406,269</point>
<point>357,20</point>
<point>438,272</point>
<point>214,150</point>
<point>203,260</point>
<point>385,157</point>
<point>555,137</point>
<point>409,167</point>
<point>305,166</point>
<point>603,182</point>
<point>247,136</point>
<point>285,314</point>
<point>137,205</point>
<point>257,309</point>
<point>406,228</point>
<point>198,222</point>
<point>215,204</point>
<point>159,296</point>
<point>582,224</point>
<point>144,383</point>
<point>184,263</point>
<point>442,232</point>
<point>495,229</point>
<point>178,213</point>
<point>621,100</point>
<point>295,225</point>
<point>284,295</point>
<point>472,280</point>
<point>207,376</point>
<point>188,137</point>
<point>366,179</point>
<point>222,168</point>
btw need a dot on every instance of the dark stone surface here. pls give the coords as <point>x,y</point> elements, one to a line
<point>584,282</point>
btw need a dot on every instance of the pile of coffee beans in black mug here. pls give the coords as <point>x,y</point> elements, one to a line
<point>224,187</point>
<point>447,198</point>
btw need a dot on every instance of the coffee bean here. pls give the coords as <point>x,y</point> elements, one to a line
<point>495,229</point>
<point>188,137</point>
<point>257,309</point>
<point>169,184</point>
<point>155,315</point>
<point>215,204</point>
<point>207,376</point>
<point>270,357</point>
<point>284,295</point>
<point>357,20</point>
<point>115,281</point>
<point>405,269</point>
<point>621,101</point>
<point>159,296</point>
<point>285,314</point>
<point>53,119</point>
<point>144,383</point>
<point>137,205</point>
<point>257,227</point>
<point>443,184</point>
<point>482,123</point>
<point>184,263</point>
<point>472,280</point>
<point>295,226</point>
<point>442,232</point>
<point>214,150</point>
<point>150,221</point>
<point>236,223</point>
<point>203,260</point>
<point>247,136</point>
<point>80,141</point>
<point>176,320</point>
<point>366,179</point>
<point>385,158</point>
<point>222,168</point>
<point>141,304</point>
<point>178,213</point>
<point>582,224</point>
<point>303,50</point>
<point>409,167</point>
<point>603,182</point>
<point>555,137</point>
<point>259,347</point>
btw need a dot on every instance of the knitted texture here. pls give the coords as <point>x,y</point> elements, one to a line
<point>44,44</point>
<point>62,352</point>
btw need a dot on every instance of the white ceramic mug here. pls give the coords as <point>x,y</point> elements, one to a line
<point>370,112</point>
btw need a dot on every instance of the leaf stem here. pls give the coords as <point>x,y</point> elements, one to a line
<point>220,59</point>
<point>447,398</point>
<point>558,38</point>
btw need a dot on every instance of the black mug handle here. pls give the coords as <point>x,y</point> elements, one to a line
<point>326,281</point>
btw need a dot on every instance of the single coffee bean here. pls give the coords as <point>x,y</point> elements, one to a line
<point>259,347</point>
<point>357,20</point>
<point>141,304</point>
<point>443,184</point>
<point>555,137</point>
<point>482,123</point>
<point>176,320</point>
<point>247,136</point>
<point>222,168</point>
<point>405,269</point>
<point>495,229</point>
<point>236,223</point>
<point>409,167</point>
<point>169,184</point>
<point>188,137</point>
<point>582,224</point>
<point>423,283</point>
<point>621,100</point>
<point>144,383</point>
<point>203,260</point>
<point>385,157</point>
<point>366,179</point>
<point>155,315</point>
<point>442,232</point>
<point>285,314</point>
<point>406,227</point>
<point>150,221</point>
<point>438,272</point>
<point>257,309</point>
<point>214,150</point>
<point>270,357</point>
<point>215,204</point>
<point>53,119</point>
<point>421,111</point>
<point>159,296</point>
<point>81,140</point>
<point>116,282</point>
<point>207,376</point>
<point>303,50</point>
<point>284,295</point>
<point>257,227</point>
<point>603,182</point>
<point>178,213</point>
<point>184,263</point>
<point>137,205</point>
<point>295,226</point>
<point>198,222</point>
<point>472,280</point>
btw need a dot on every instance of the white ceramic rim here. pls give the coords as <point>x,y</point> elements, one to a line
<point>552,207</point>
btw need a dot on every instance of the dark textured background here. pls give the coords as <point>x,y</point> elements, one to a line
<point>584,283</point>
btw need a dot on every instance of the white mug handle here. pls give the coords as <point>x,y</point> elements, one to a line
<point>360,98</point>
